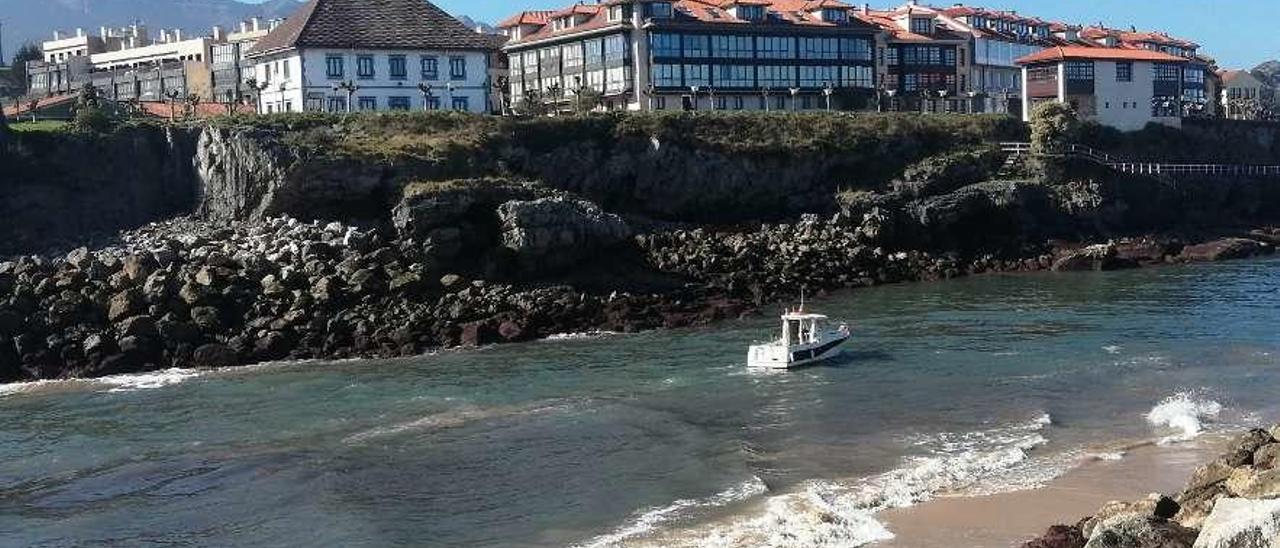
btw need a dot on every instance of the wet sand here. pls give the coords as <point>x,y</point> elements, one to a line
<point>1004,520</point>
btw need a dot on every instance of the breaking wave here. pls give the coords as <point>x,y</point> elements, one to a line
<point>831,513</point>
<point>648,520</point>
<point>455,418</point>
<point>128,382</point>
<point>1185,413</point>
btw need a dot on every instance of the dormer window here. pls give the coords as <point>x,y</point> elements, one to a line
<point>660,10</point>
<point>748,13</point>
<point>835,15</point>
<point>922,25</point>
<point>615,14</point>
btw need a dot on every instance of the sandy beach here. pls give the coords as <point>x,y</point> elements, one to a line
<point>1009,519</point>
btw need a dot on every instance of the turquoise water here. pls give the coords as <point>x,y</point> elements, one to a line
<point>988,383</point>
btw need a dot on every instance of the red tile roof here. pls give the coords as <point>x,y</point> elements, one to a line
<point>41,103</point>
<point>886,21</point>
<point>1084,52</point>
<point>372,24</point>
<point>527,17</point>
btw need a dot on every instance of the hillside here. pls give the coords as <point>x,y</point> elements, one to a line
<point>1268,72</point>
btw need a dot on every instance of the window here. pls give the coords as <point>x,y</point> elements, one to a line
<point>666,76</point>
<point>333,67</point>
<point>722,102</point>
<point>695,46</point>
<point>922,25</point>
<point>1124,72</point>
<point>819,48</point>
<point>856,77</point>
<point>399,70</point>
<point>735,76</point>
<point>1165,72</point>
<point>368,103</point>
<point>835,15</point>
<point>462,103</point>
<point>750,13</point>
<point>615,13</point>
<point>738,103</point>
<point>660,103</point>
<point>776,47</point>
<point>857,49</point>
<point>285,64</point>
<point>816,77</point>
<point>1193,76</point>
<point>616,79</point>
<point>594,51</point>
<point>1080,70</point>
<point>615,49</point>
<point>458,68</point>
<point>433,102</point>
<point>337,104</point>
<point>732,47</point>
<point>665,45</point>
<point>430,68</point>
<point>398,103</point>
<point>697,75</point>
<point>660,10</point>
<point>776,76</point>
<point>364,68</point>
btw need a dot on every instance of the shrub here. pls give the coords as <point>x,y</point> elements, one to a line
<point>1053,125</point>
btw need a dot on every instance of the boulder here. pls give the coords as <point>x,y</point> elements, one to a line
<point>1240,523</point>
<point>124,304</point>
<point>1095,257</point>
<point>1267,456</point>
<point>1155,505</point>
<point>1248,482</point>
<point>1138,531</point>
<point>214,356</point>
<point>553,233</point>
<point>138,326</point>
<point>1224,250</point>
<point>1058,536</point>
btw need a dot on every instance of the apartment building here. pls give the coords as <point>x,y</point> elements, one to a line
<point>1119,87</point>
<point>922,59</point>
<point>695,55</point>
<point>1243,96</point>
<point>340,55</point>
<point>999,39</point>
<point>1198,74</point>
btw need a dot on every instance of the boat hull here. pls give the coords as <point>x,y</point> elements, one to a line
<point>779,357</point>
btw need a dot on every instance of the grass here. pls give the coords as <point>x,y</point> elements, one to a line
<point>40,125</point>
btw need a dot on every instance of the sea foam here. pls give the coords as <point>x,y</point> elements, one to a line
<point>1184,413</point>
<point>842,514</point>
<point>147,381</point>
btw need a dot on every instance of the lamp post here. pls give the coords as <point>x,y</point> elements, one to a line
<point>694,90</point>
<point>350,87</point>
<point>449,87</point>
<point>942,98</point>
<point>426,96</point>
<point>794,93</point>
<point>827,90</point>
<point>764,92</point>
<point>577,94</point>
<point>649,91</point>
<point>891,93</point>
<point>711,97</point>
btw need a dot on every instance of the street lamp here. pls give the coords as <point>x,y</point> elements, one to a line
<point>942,100</point>
<point>694,90</point>
<point>827,90</point>
<point>577,94</point>
<point>449,87</point>
<point>350,87</point>
<point>426,96</point>
<point>649,92</point>
<point>764,92</point>
<point>794,92</point>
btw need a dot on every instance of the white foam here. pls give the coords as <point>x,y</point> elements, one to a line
<point>579,336</point>
<point>1108,455</point>
<point>842,514</point>
<point>1112,349</point>
<point>1185,413</point>
<point>650,519</point>
<point>147,381</point>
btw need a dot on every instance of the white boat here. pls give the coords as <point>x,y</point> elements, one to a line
<point>804,341</point>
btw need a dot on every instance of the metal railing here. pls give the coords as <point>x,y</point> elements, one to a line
<point>1148,168</point>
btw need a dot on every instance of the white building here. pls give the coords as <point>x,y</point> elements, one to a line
<point>1118,87</point>
<point>384,55</point>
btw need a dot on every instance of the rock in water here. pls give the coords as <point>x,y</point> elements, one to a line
<point>1058,536</point>
<point>1241,523</point>
<point>1137,531</point>
<point>1224,250</point>
<point>214,355</point>
<point>1094,257</point>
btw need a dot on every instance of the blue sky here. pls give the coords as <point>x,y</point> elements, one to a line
<point>1239,33</point>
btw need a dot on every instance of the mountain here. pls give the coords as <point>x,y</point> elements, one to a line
<point>473,25</point>
<point>35,20</point>
<point>1268,72</point>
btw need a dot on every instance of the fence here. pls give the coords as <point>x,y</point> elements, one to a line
<point>1149,168</point>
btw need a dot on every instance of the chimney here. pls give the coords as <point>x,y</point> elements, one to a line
<point>177,35</point>
<point>217,33</point>
<point>256,23</point>
<point>57,35</point>
<point>104,33</point>
<point>79,32</point>
<point>866,8</point>
<point>244,27</point>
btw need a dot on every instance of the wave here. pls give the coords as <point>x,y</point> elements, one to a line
<point>831,513</point>
<point>650,519</point>
<point>454,418</point>
<point>127,382</point>
<point>1184,412</point>
<point>580,336</point>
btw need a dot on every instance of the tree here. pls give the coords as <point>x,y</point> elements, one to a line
<point>532,104</point>
<point>1053,125</point>
<point>90,114</point>
<point>18,74</point>
<point>587,99</point>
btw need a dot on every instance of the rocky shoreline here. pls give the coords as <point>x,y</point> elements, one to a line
<point>194,293</point>
<point>1231,502</point>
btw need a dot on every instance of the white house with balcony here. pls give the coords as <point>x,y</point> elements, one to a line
<point>371,55</point>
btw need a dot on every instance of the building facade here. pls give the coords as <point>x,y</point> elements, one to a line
<point>1244,97</point>
<point>694,55</point>
<point>922,60</point>
<point>341,55</point>
<point>1000,38</point>
<point>1121,88</point>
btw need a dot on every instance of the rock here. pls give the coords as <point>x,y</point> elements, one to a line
<point>1058,536</point>
<point>80,258</point>
<point>214,356</point>
<point>1138,531</point>
<point>138,326</point>
<point>1155,505</point>
<point>1240,523</point>
<point>137,267</point>
<point>271,285</point>
<point>511,331</point>
<point>477,334</point>
<point>1242,449</point>
<point>1143,250</point>
<point>124,304</point>
<point>272,346</point>
<point>206,318</point>
<point>98,345</point>
<point>1247,482</point>
<point>1225,249</point>
<point>1267,456</point>
<point>157,287</point>
<point>553,233</point>
<point>453,282</point>
<point>1095,257</point>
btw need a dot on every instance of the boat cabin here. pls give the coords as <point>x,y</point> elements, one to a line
<point>800,328</point>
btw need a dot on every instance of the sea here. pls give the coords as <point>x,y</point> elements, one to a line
<point>988,384</point>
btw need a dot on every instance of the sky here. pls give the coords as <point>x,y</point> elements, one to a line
<point>1238,33</point>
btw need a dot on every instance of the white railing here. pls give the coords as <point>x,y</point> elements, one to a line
<point>1149,168</point>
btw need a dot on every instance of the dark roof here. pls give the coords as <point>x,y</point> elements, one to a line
<point>371,24</point>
